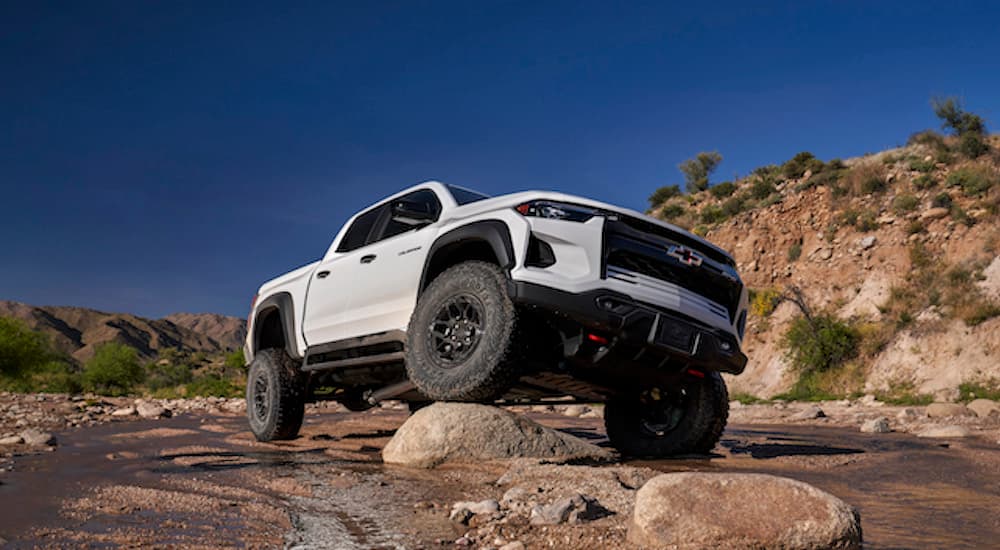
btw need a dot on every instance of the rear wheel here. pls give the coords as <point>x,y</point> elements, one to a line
<point>685,419</point>
<point>460,342</point>
<point>275,396</point>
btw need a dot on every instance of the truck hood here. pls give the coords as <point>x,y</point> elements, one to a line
<point>513,199</point>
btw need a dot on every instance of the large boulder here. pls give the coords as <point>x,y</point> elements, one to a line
<point>944,410</point>
<point>706,510</point>
<point>985,408</point>
<point>466,432</point>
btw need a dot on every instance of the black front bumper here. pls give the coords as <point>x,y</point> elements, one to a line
<point>633,326</point>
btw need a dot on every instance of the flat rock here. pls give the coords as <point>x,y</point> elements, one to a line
<point>124,411</point>
<point>944,432</point>
<point>809,413</point>
<point>687,511</point>
<point>984,408</point>
<point>37,438</point>
<point>12,440</point>
<point>944,410</point>
<point>878,425</point>
<point>151,410</point>
<point>935,213</point>
<point>469,433</point>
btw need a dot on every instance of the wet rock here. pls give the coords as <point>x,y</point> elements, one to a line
<point>878,425</point>
<point>12,440</point>
<point>124,411</point>
<point>575,509</point>
<point>466,432</point>
<point>984,408</point>
<point>151,410</point>
<point>37,438</point>
<point>944,410</point>
<point>701,510</point>
<point>944,432</point>
<point>809,413</point>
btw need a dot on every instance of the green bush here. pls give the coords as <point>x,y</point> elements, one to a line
<point>972,146</point>
<point>930,138</point>
<point>764,302</point>
<point>942,200</point>
<point>663,194</point>
<point>969,391</point>
<point>712,214</point>
<point>113,370</point>
<point>697,170</point>
<point>924,182</point>
<point>672,211</point>
<point>722,190</point>
<point>873,184</point>
<point>21,349</point>
<point>797,166</point>
<point>905,203</point>
<point>821,343</point>
<point>794,252</point>
<point>733,206</point>
<point>213,386</point>
<point>921,165</point>
<point>235,360</point>
<point>762,188</point>
<point>914,227</point>
<point>975,181</point>
<point>160,376</point>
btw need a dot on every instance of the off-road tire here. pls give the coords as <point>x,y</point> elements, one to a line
<point>275,396</point>
<point>705,411</point>
<point>491,366</point>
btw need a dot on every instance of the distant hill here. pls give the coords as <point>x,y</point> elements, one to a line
<point>78,331</point>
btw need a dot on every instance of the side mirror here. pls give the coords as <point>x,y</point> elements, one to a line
<point>413,213</point>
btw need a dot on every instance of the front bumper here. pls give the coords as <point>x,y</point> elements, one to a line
<point>682,342</point>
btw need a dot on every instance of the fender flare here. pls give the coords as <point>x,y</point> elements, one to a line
<point>495,233</point>
<point>283,303</point>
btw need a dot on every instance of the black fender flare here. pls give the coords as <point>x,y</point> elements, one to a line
<point>283,303</point>
<point>495,233</point>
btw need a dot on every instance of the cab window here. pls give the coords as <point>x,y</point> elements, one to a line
<point>423,200</point>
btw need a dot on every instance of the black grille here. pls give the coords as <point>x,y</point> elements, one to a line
<point>648,256</point>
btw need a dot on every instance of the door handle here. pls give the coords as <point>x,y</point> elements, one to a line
<point>322,274</point>
<point>368,258</point>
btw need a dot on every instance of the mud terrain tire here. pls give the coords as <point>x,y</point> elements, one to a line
<point>461,338</point>
<point>275,396</point>
<point>691,421</point>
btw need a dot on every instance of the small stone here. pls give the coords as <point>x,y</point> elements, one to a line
<point>825,253</point>
<point>575,411</point>
<point>907,414</point>
<point>878,425</point>
<point>934,213</point>
<point>809,413</point>
<point>37,438</point>
<point>12,440</point>
<point>984,408</point>
<point>463,541</point>
<point>462,512</point>
<point>124,411</point>
<point>944,410</point>
<point>944,432</point>
<point>867,242</point>
<point>575,509</point>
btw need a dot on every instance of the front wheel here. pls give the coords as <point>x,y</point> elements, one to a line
<point>275,396</point>
<point>461,339</point>
<point>684,419</point>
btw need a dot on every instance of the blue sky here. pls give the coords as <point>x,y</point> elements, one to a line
<point>170,156</point>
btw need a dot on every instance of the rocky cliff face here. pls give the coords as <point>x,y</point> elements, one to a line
<point>78,331</point>
<point>903,244</point>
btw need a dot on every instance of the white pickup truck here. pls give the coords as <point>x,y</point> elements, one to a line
<point>442,293</point>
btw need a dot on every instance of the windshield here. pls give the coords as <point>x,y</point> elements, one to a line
<point>465,196</point>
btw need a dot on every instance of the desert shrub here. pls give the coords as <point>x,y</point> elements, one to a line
<point>820,343</point>
<point>872,184</point>
<point>972,146</point>
<point>663,194</point>
<point>794,252</point>
<point>797,166</point>
<point>834,164</point>
<point>905,203</point>
<point>762,188</point>
<point>746,398</point>
<point>978,313</point>
<point>166,375</point>
<point>235,360</point>
<point>672,211</point>
<point>961,216</point>
<point>903,393</point>
<point>21,349</point>
<point>712,214</point>
<point>733,206</point>
<point>764,302</point>
<point>866,221</point>
<point>928,138</point>
<point>865,179</point>
<point>969,127</point>
<point>924,182</point>
<point>827,178</point>
<point>722,190</point>
<point>849,217</point>
<point>113,370</point>
<point>921,165</point>
<point>914,227</point>
<point>986,389</point>
<point>213,385</point>
<point>697,170</point>
<point>975,181</point>
<point>942,200</point>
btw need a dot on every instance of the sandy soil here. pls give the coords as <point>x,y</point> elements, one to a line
<point>202,481</point>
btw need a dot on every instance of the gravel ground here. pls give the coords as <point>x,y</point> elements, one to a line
<point>199,479</point>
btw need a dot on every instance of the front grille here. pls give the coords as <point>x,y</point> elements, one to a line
<point>647,255</point>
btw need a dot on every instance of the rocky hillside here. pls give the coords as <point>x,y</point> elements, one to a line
<point>901,245</point>
<point>77,331</point>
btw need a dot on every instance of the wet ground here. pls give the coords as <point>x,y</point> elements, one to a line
<point>203,481</point>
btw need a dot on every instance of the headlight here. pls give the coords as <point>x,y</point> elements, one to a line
<point>558,211</point>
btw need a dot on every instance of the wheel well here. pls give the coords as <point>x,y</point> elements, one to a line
<point>270,333</point>
<point>456,253</point>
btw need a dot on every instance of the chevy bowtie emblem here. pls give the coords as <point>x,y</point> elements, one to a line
<point>684,256</point>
